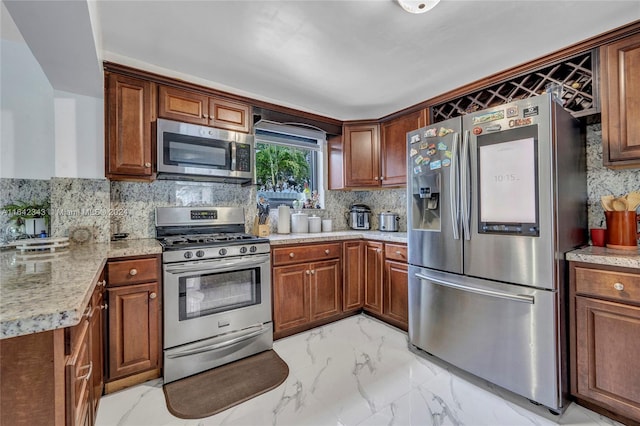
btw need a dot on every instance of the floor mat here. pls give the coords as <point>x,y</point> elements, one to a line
<point>212,391</point>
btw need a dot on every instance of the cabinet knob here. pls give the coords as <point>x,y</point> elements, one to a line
<point>327,251</point>
<point>618,286</point>
<point>102,283</point>
<point>105,306</point>
<point>153,295</point>
<point>307,272</point>
<point>133,272</point>
<point>147,165</point>
<point>87,376</point>
<point>205,115</point>
<point>87,312</point>
<point>376,178</point>
<point>379,250</point>
<point>399,253</point>
<point>291,255</point>
<point>313,272</point>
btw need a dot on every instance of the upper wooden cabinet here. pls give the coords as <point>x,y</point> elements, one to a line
<point>375,154</point>
<point>620,94</point>
<point>393,142</point>
<point>129,113</point>
<point>199,108</point>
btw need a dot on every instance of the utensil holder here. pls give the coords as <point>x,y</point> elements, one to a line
<point>261,229</point>
<point>622,230</point>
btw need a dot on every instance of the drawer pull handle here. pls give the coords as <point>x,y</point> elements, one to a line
<point>291,255</point>
<point>327,251</point>
<point>87,376</point>
<point>153,295</point>
<point>618,286</point>
<point>399,253</point>
<point>133,272</point>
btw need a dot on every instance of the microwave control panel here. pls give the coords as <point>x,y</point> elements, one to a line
<point>243,157</point>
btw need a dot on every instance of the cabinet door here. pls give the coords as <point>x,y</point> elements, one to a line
<point>353,272</point>
<point>373,272</point>
<point>607,348</point>
<point>133,329</point>
<point>396,292</point>
<point>362,155</point>
<point>96,325</point>
<point>182,105</point>
<point>129,127</point>
<point>393,151</point>
<point>79,371</point>
<point>620,92</point>
<point>325,288</point>
<point>290,296</point>
<point>229,115</point>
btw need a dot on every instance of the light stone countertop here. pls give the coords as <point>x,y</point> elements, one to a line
<point>606,256</point>
<point>51,292</point>
<point>392,237</point>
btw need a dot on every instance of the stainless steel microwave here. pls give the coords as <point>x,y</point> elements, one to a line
<point>192,152</point>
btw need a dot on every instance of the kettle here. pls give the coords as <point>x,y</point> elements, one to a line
<point>359,216</point>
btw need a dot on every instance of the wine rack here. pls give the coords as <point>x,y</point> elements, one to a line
<point>577,75</point>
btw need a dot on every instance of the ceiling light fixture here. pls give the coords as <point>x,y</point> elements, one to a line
<point>419,6</point>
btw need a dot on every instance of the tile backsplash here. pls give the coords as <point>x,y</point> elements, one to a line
<point>109,207</point>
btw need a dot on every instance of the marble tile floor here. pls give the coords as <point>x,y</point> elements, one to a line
<point>357,371</point>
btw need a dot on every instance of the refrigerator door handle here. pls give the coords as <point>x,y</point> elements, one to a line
<point>513,297</point>
<point>465,196</point>
<point>454,192</point>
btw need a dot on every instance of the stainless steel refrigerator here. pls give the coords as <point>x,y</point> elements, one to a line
<point>495,200</point>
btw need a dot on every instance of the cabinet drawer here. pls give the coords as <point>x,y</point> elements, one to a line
<point>395,252</point>
<point>307,253</point>
<point>125,272</point>
<point>609,284</point>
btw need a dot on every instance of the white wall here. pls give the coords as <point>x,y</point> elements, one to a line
<point>44,132</point>
<point>26,109</point>
<point>79,136</point>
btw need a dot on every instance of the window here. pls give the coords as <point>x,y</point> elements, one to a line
<point>289,164</point>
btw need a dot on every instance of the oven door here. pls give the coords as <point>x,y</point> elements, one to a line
<point>204,299</point>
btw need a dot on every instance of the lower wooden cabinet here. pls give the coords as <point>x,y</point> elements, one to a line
<point>309,293</point>
<point>353,275</point>
<point>373,273</point>
<point>134,343</point>
<point>395,293</point>
<point>54,377</point>
<point>605,340</point>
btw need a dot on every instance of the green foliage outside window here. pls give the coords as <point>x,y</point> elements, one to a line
<point>281,168</point>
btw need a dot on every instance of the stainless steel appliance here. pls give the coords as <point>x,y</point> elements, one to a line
<point>388,222</point>
<point>359,216</point>
<point>495,199</point>
<point>216,289</point>
<point>192,152</point>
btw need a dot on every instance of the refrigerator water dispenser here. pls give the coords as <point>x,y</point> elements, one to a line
<point>426,201</point>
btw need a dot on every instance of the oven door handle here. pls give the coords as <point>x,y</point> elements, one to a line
<point>220,345</point>
<point>216,265</point>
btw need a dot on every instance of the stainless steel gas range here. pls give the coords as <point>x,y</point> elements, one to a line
<point>217,289</point>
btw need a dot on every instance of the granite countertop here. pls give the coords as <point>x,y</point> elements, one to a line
<point>392,237</point>
<point>606,256</point>
<point>50,292</point>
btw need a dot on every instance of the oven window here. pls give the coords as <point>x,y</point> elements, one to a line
<point>184,150</point>
<point>202,295</point>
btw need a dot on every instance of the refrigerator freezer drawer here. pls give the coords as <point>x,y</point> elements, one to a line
<point>506,334</point>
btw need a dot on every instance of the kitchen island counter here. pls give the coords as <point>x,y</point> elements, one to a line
<point>393,237</point>
<point>606,256</point>
<point>47,291</point>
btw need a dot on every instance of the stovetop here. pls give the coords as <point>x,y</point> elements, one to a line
<point>190,241</point>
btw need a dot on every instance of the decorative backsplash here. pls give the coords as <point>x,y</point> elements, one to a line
<point>110,207</point>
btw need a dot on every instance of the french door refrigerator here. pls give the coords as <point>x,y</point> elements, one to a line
<point>495,199</point>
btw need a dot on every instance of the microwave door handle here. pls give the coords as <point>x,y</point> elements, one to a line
<point>233,156</point>
<point>465,196</point>
<point>453,188</point>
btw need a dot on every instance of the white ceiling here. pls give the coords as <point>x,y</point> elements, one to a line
<point>342,59</point>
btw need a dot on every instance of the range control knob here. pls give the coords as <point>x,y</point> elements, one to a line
<point>253,249</point>
<point>222,251</point>
<point>243,249</point>
<point>200,253</point>
<point>188,255</point>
